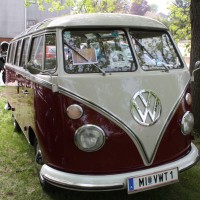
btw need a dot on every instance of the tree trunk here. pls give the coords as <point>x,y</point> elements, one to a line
<point>195,56</point>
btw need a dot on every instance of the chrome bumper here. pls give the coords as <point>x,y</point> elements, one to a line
<point>110,182</point>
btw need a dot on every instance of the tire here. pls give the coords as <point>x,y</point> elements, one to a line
<point>38,164</point>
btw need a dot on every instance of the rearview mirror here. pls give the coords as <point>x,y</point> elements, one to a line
<point>33,68</point>
<point>197,65</point>
<point>196,68</point>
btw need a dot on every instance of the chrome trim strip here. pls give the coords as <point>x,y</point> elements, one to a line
<point>17,70</point>
<point>21,71</point>
<point>82,187</point>
<point>191,164</point>
<point>111,182</point>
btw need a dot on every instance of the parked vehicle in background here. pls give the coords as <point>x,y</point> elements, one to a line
<point>104,99</point>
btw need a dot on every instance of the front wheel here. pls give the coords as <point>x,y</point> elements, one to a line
<point>38,163</point>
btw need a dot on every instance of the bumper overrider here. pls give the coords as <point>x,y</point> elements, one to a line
<point>111,182</point>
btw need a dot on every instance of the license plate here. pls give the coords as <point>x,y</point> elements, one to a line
<point>149,181</point>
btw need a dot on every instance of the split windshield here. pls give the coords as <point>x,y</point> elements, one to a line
<point>94,51</point>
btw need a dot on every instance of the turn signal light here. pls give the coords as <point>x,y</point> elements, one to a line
<point>188,98</point>
<point>74,111</point>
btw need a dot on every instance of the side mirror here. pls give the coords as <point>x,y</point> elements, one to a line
<point>196,68</point>
<point>33,68</point>
<point>197,65</point>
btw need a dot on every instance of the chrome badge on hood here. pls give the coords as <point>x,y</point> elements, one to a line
<point>146,107</point>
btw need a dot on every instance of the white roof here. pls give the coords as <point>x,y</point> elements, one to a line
<point>97,20</point>
<point>106,20</point>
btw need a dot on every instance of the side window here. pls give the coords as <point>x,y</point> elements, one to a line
<point>24,52</point>
<point>37,52</point>
<point>12,55</point>
<point>9,53</point>
<point>50,52</point>
<point>18,52</point>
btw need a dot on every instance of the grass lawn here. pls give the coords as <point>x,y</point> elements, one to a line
<point>18,178</point>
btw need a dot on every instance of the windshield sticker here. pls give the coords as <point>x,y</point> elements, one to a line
<point>90,36</point>
<point>115,33</point>
<point>84,56</point>
<point>67,35</point>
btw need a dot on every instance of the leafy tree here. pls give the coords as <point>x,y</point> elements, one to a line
<point>76,6</point>
<point>139,7</point>
<point>154,8</point>
<point>180,20</point>
<point>195,56</point>
<point>185,24</point>
<point>195,32</point>
<point>122,6</point>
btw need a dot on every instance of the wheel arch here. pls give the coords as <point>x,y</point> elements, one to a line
<point>31,136</point>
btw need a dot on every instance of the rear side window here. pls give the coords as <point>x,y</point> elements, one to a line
<point>37,52</point>
<point>18,52</point>
<point>24,52</point>
<point>8,53</point>
<point>12,54</point>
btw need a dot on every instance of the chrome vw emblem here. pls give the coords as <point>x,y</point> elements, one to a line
<point>146,107</point>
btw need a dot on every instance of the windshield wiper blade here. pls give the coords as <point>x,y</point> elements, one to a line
<point>141,46</point>
<point>166,68</point>
<point>82,56</point>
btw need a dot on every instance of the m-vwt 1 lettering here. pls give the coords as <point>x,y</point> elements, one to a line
<point>155,179</point>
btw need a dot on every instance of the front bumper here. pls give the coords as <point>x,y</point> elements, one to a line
<point>110,182</point>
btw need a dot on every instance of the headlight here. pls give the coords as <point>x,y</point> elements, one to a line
<point>89,138</point>
<point>187,123</point>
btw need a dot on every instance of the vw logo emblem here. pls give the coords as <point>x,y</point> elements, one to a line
<point>146,107</point>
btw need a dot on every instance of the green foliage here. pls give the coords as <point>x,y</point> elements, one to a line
<point>180,26</point>
<point>154,8</point>
<point>139,7</point>
<point>76,6</point>
<point>137,1</point>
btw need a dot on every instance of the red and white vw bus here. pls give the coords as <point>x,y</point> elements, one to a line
<point>105,99</point>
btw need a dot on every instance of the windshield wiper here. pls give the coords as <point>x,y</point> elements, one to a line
<point>82,56</point>
<point>166,68</point>
<point>141,46</point>
<point>152,57</point>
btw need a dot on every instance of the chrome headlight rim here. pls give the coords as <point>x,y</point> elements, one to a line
<point>191,123</point>
<point>80,131</point>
